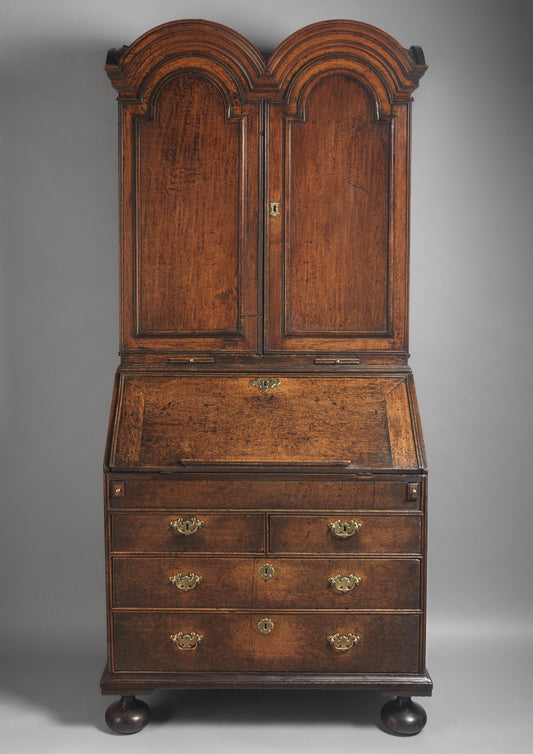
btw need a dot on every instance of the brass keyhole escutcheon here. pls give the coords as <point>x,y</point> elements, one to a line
<point>266,571</point>
<point>274,209</point>
<point>265,625</point>
<point>264,384</point>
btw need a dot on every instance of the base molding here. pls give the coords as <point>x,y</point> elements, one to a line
<point>127,684</point>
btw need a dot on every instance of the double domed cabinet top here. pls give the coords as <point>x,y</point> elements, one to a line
<point>265,471</point>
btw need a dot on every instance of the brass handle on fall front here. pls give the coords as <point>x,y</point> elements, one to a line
<point>185,583</point>
<point>344,529</point>
<point>342,643</point>
<point>344,583</point>
<point>186,526</point>
<point>186,641</point>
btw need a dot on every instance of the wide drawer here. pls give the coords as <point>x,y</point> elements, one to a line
<point>154,532</point>
<point>381,643</point>
<point>374,533</point>
<point>189,492</point>
<point>320,583</point>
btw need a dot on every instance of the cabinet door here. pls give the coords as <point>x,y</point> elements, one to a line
<point>189,194</point>
<point>336,257</point>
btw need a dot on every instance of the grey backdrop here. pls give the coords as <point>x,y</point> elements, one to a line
<point>471,276</point>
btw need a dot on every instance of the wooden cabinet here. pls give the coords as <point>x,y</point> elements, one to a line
<point>265,473</point>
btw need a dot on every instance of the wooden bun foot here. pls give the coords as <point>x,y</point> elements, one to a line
<point>128,715</point>
<point>403,717</point>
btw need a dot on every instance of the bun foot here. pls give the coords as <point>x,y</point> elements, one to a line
<point>128,715</point>
<point>403,717</point>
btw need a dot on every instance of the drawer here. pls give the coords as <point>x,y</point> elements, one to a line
<point>382,643</point>
<point>313,493</point>
<point>153,532</point>
<point>378,583</point>
<point>142,641</point>
<point>145,582</point>
<point>299,643</point>
<point>378,533</point>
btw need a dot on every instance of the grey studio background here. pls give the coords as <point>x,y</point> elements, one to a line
<point>471,275</point>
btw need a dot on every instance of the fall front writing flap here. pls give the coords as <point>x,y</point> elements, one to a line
<point>187,422</point>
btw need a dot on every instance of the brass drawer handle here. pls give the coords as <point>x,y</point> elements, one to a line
<point>344,529</point>
<point>185,583</point>
<point>187,641</point>
<point>186,526</point>
<point>265,625</point>
<point>344,583</point>
<point>343,642</point>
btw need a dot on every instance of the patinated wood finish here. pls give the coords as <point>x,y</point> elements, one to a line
<point>265,471</point>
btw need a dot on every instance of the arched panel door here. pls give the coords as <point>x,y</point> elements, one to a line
<point>189,238</point>
<point>337,250</point>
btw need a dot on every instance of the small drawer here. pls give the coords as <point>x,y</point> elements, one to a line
<point>154,532</point>
<point>339,583</point>
<point>209,641</point>
<point>301,643</point>
<point>182,582</point>
<point>374,534</point>
<point>336,642</point>
<point>152,491</point>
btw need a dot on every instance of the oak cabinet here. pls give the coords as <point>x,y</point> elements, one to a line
<point>265,454</point>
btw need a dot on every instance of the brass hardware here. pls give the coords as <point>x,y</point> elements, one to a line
<point>266,571</point>
<point>412,491</point>
<point>342,643</point>
<point>186,641</point>
<point>265,625</point>
<point>185,583</point>
<point>344,583</point>
<point>264,384</point>
<point>332,361</point>
<point>190,360</point>
<point>117,489</point>
<point>186,526</point>
<point>344,529</point>
<point>274,209</point>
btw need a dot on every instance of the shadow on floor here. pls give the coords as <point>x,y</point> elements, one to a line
<point>67,687</point>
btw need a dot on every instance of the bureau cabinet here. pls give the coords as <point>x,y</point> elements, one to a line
<point>265,472</point>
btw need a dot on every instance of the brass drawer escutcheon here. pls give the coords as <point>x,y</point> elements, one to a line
<point>186,641</point>
<point>186,526</point>
<point>185,583</point>
<point>344,583</point>
<point>265,625</point>
<point>274,209</point>
<point>343,642</point>
<point>266,571</point>
<point>344,529</point>
<point>264,384</point>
